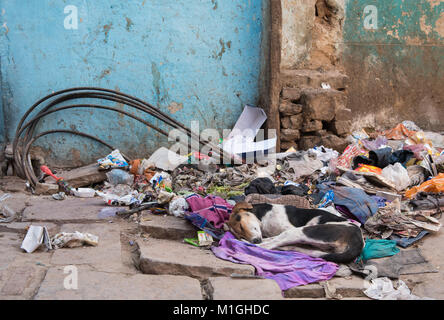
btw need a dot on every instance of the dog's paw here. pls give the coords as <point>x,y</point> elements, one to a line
<point>267,245</point>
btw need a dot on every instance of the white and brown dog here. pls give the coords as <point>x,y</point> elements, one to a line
<point>315,232</point>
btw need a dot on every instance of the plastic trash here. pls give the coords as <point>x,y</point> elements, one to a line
<point>34,238</point>
<point>113,160</point>
<point>410,125</point>
<point>72,240</point>
<point>398,175</point>
<point>178,206</point>
<point>382,289</point>
<point>327,199</point>
<point>109,212</point>
<point>161,180</point>
<point>368,168</point>
<point>59,196</point>
<point>436,139</point>
<point>434,185</point>
<point>84,192</point>
<point>5,211</point>
<point>324,154</point>
<point>118,176</point>
<point>203,239</point>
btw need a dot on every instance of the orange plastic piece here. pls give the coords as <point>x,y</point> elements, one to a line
<point>367,168</point>
<point>434,185</point>
<point>399,132</point>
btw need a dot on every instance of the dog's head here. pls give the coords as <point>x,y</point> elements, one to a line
<point>244,224</point>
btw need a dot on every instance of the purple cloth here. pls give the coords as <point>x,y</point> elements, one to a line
<point>215,209</point>
<point>288,268</point>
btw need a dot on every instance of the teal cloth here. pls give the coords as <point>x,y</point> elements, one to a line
<point>378,249</point>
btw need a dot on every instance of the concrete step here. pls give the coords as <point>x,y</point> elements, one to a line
<point>106,256</point>
<point>351,287</point>
<point>224,288</point>
<point>96,285</point>
<point>178,258</point>
<point>69,210</point>
<point>313,79</point>
<point>168,227</point>
<point>20,273</point>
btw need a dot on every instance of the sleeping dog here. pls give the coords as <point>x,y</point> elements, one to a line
<point>315,232</point>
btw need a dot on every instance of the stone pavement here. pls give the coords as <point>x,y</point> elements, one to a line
<point>146,260</point>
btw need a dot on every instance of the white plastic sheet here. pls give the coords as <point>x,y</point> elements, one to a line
<point>398,175</point>
<point>382,289</point>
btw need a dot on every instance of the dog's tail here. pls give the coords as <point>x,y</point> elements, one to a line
<point>349,255</point>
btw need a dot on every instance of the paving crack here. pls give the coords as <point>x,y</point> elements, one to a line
<point>207,289</point>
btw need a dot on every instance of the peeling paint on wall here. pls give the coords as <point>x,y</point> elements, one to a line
<point>401,77</point>
<point>199,60</point>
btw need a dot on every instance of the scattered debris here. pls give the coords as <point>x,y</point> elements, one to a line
<point>72,240</point>
<point>383,289</point>
<point>35,237</point>
<point>388,183</point>
<point>6,213</point>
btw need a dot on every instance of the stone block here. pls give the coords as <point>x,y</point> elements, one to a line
<point>245,289</point>
<point>178,258</point>
<point>289,134</point>
<point>311,126</point>
<point>287,108</point>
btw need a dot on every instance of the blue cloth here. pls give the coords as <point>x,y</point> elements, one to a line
<point>406,242</point>
<point>375,248</point>
<point>203,224</point>
<point>380,200</point>
<point>360,205</point>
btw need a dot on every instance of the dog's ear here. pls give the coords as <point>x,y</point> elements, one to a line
<point>242,206</point>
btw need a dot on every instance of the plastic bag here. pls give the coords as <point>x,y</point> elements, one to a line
<point>117,176</point>
<point>324,154</point>
<point>398,175</point>
<point>435,185</point>
<point>178,207</point>
<point>113,160</point>
<point>382,289</point>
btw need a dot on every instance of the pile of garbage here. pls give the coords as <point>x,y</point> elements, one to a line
<point>390,183</point>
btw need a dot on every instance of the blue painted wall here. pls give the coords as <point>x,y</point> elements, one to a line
<point>195,59</point>
<point>397,69</point>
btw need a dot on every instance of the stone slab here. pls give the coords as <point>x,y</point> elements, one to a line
<point>12,184</point>
<point>245,289</point>
<point>96,285</point>
<point>312,290</point>
<point>349,287</point>
<point>20,273</point>
<point>106,256</point>
<point>168,227</point>
<point>69,210</point>
<point>177,258</point>
<point>21,227</point>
